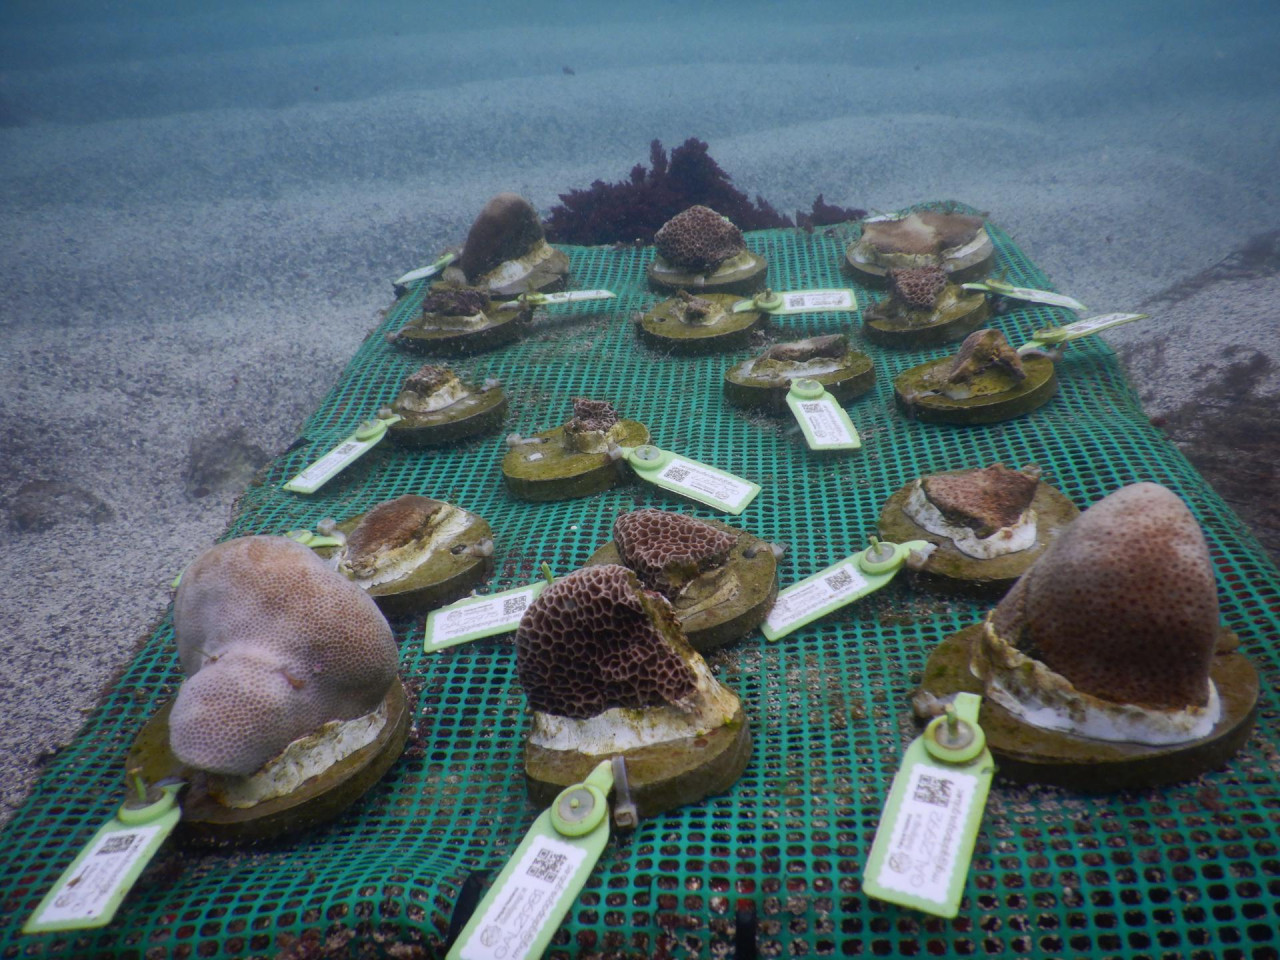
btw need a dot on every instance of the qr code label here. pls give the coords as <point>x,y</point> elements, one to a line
<point>678,474</point>
<point>933,790</point>
<point>514,606</point>
<point>840,580</point>
<point>546,865</point>
<point>114,845</point>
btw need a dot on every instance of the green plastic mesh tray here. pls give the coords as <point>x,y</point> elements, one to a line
<point>1191,871</point>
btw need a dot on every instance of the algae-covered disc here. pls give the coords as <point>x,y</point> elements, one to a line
<point>315,801</point>
<point>958,243</point>
<point>758,383</point>
<point>1034,755</point>
<point>701,323</point>
<point>743,275</point>
<point>995,396</point>
<point>662,777</point>
<point>490,327</point>
<point>475,413</point>
<point>948,570</point>
<point>456,564</point>
<point>892,323</point>
<point>725,603</point>
<point>549,469</point>
<point>543,269</point>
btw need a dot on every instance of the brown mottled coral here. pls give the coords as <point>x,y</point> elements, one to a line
<point>506,229</point>
<point>591,415</point>
<point>918,287</point>
<point>454,301</point>
<point>981,351</point>
<point>698,240</point>
<point>597,639</point>
<point>667,550</point>
<point>1123,604</point>
<point>983,500</point>
<point>275,644</point>
<point>386,528</point>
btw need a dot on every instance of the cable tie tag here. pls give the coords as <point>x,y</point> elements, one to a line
<point>1030,294</point>
<point>837,586</point>
<point>90,891</point>
<point>366,437</point>
<point>1052,336</point>
<point>924,843</point>
<point>691,479</point>
<point>423,272</point>
<point>824,422</point>
<point>478,617</point>
<point>564,296</point>
<point>523,909</point>
<point>784,302</point>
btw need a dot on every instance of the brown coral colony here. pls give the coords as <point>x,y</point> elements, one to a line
<point>593,641</point>
<point>698,240</point>
<point>667,550</point>
<point>918,287</point>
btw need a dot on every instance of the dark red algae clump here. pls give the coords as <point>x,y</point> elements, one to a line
<point>633,209</point>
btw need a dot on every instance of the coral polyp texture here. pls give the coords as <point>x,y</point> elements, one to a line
<point>1124,604</point>
<point>985,499</point>
<point>667,550</point>
<point>506,229</point>
<point>387,528</point>
<point>591,415</point>
<point>454,301</point>
<point>596,640</point>
<point>918,287</point>
<point>923,233</point>
<point>698,240</point>
<point>981,351</point>
<point>275,644</point>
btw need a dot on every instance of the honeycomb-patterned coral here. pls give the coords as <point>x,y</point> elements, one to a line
<point>918,287</point>
<point>698,240</point>
<point>427,379</point>
<point>591,415</point>
<point>1123,604</point>
<point>275,644</point>
<point>454,301</point>
<point>595,640</point>
<point>667,550</point>
<point>984,500</point>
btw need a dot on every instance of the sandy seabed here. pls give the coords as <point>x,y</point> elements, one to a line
<point>200,215</point>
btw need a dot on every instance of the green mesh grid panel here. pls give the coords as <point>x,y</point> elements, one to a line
<point>1191,871</point>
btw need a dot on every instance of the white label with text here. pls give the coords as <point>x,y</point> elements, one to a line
<point>87,894</point>
<point>928,832</point>
<point>825,591</point>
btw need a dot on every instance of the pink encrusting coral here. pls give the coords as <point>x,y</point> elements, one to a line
<point>275,645</point>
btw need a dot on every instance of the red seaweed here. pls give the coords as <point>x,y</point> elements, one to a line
<point>632,210</point>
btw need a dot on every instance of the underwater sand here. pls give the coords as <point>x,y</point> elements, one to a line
<point>200,215</point>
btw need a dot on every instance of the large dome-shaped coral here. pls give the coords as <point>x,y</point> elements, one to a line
<point>1123,605</point>
<point>275,644</point>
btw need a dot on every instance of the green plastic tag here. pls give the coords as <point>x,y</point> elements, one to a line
<point>923,845</point>
<point>524,907</point>
<point>1052,336</point>
<point>91,890</point>
<point>824,422</point>
<point>366,437</point>
<point>837,586</point>
<point>478,617</point>
<point>564,296</point>
<point>428,271</point>
<point>781,303</point>
<point>1029,294</point>
<point>691,479</point>
<point>315,541</point>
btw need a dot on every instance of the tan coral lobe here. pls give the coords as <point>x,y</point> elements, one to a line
<point>1123,604</point>
<point>595,640</point>
<point>667,550</point>
<point>698,240</point>
<point>506,229</point>
<point>275,644</point>
<point>984,499</point>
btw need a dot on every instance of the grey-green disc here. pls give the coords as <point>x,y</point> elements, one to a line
<point>993,399</point>
<point>664,326</point>
<point>553,471</point>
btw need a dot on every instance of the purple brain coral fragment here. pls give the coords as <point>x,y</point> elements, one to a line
<point>633,210</point>
<point>275,644</point>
